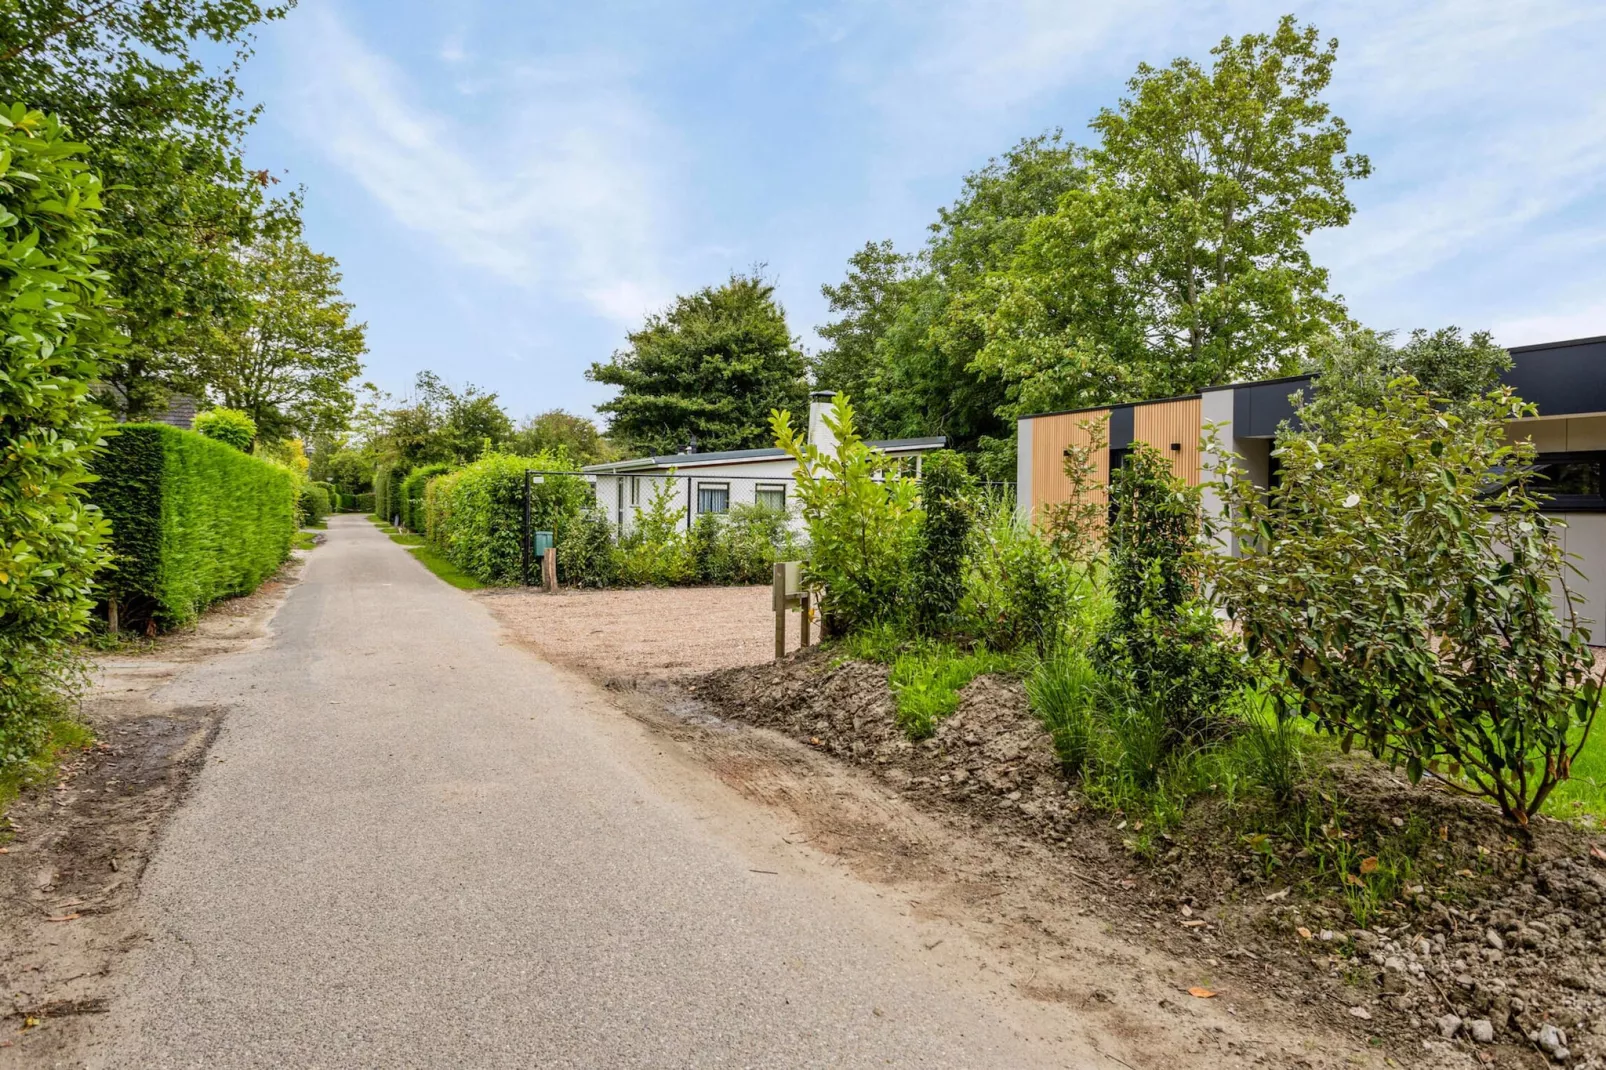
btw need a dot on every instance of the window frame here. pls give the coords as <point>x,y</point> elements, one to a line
<point>718,485</point>
<point>769,488</point>
<point>1572,503</point>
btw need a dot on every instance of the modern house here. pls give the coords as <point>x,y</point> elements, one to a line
<point>1565,380</point>
<point>713,482</point>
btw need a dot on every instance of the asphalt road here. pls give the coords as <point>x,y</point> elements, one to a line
<point>414,845</point>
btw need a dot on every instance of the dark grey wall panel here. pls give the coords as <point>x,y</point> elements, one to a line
<point>1121,427</point>
<point>1258,408</point>
<point>1562,377</point>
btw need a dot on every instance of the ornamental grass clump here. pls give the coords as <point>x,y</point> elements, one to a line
<point>1410,594</point>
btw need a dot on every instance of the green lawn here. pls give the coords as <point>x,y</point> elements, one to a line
<point>431,558</point>
<point>1583,796</point>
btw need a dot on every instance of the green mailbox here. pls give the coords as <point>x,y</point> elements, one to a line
<point>543,543</point>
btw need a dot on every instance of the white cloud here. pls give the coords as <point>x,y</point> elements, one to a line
<point>558,190</point>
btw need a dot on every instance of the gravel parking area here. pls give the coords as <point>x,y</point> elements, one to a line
<point>654,633</point>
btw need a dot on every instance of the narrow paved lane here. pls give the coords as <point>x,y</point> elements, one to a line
<point>416,846</point>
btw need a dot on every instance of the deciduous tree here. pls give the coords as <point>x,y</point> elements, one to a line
<point>714,365</point>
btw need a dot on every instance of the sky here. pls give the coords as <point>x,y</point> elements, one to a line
<point>511,186</point>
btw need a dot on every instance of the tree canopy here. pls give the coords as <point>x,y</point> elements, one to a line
<point>1182,262</point>
<point>287,354</point>
<point>713,365</point>
<point>164,130</point>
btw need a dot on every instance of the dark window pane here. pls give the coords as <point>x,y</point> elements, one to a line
<point>713,499</point>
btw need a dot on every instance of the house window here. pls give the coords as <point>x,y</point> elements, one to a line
<point>770,495</point>
<point>1570,482</point>
<point>713,497</point>
<point>1118,458</point>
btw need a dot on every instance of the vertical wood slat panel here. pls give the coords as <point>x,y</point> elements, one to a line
<point>1168,422</point>
<point>1050,436</point>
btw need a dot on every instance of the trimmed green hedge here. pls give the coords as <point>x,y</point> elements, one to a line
<point>315,504</point>
<point>387,490</point>
<point>193,521</point>
<point>365,502</point>
<point>475,514</point>
<point>411,498</point>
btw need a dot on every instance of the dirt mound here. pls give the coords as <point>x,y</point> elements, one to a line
<point>991,756</point>
<point>1487,954</point>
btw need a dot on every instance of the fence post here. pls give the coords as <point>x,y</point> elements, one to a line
<point>779,588</point>
<point>803,627</point>
<point>549,570</point>
<point>524,546</point>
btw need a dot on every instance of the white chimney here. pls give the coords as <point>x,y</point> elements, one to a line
<point>819,434</point>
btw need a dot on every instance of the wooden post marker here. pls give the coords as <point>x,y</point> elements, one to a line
<point>549,570</point>
<point>787,590</point>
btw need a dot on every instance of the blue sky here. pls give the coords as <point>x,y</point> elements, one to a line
<point>511,185</point>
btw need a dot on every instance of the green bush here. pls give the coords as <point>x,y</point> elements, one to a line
<point>654,550</point>
<point>365,503</point>
<point>193,521</point>
<point>228,426</point>
<point>1408,591</point>
<point>475,515</point>
<point>410,497</point>
<point>742,546</point>
<point>862,516</point>
<point>586,555</point>
<point>1017,591</point>
<point>387,490</point>
<point>313,505</point>
<point>937,571</point>
<point>1161,638</point>
<point>55,309</point>
<point>1067,692</point>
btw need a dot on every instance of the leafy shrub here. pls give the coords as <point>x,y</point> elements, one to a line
<point>475,515</point>
<point>410,496</point>
<point>228,426</point>
<point>313,504</point>
<point>1161,637</point>
<point>654,550</point>
<point>193,521</point>
<point>938,569</point>
<point>1017,591</point>
<point>1404,584</point>
<point>862,515</point>
<point>55,309</point>
<point>586,555</point>
<point>387,490</point>
<point>365,503</point>
<point>742,546</point>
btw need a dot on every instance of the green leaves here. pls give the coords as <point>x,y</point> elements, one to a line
<point>57,337</point>
<point>1432,616</point>
<point>862,516</point>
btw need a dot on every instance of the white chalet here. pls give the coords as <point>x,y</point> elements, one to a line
<point>713,482</point>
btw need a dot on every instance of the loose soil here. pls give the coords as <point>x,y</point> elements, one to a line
<point>74,850</point>
<point>650,634</point>
<point>1482,932</point>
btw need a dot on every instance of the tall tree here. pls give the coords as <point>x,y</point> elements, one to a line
<point>131,79</point>
<point>910,327</point>
<point>1356,365</point>
<point>287,356</point>
<point>1182,263</point>
<point>713,366</point>
<point>556,430</point>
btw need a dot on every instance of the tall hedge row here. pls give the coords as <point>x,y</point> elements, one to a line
<point>192,520</point>
<point>54,305</point>
<point>387,490</point>
<point>410,500</point>
<point>475,515</point>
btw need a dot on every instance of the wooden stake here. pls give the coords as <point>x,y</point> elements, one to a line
<point>803,629</point>
<point>549,570</point>
<point>779,584</point>
<point>111,615</point>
